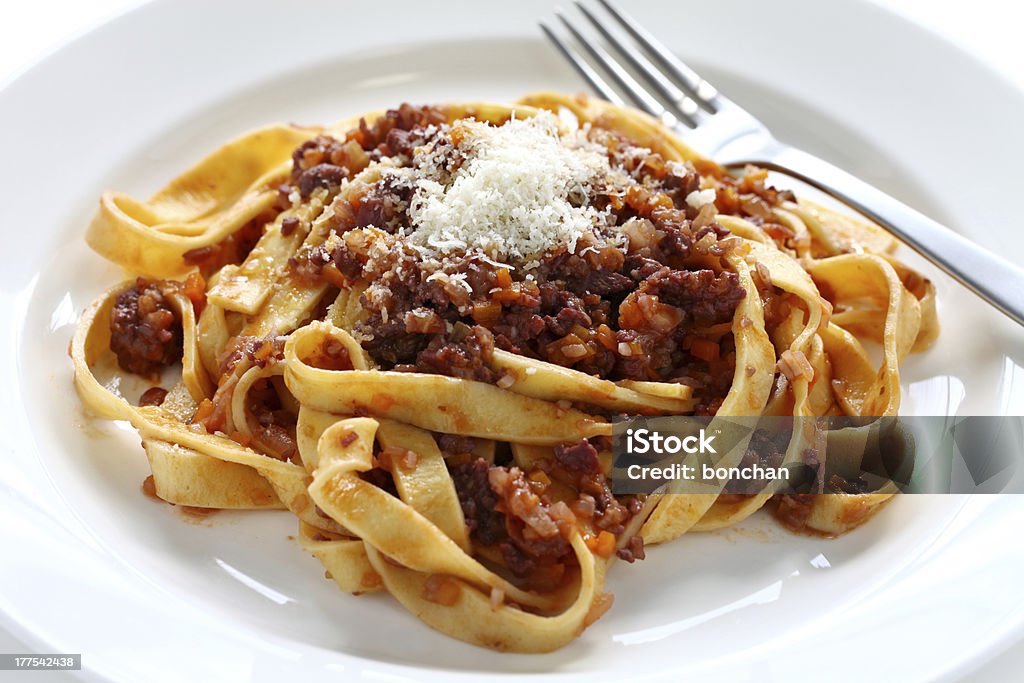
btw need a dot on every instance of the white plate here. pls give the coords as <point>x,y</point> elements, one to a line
<point>928,589</point>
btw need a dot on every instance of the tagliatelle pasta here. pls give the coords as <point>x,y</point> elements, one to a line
<point>413,329</point>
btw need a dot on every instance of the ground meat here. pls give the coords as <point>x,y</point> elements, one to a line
<point>704,295</point>
<point>605,283</point>
<point>639,268</point>
<point>562,322</point>
<point>424,321</point>
<point>465,353</point>
<point>321,175</point>
<point>325,150</point>
<point>347,263</point>
<point>145,332</point>
<point>677,241</point>
<point>614,309</point>
<point>516,329</point>
<point>384,206</point>
<point>400,141</point>
<point>153,396</point>
<point>331,355</point>
<point>633,550</point>
<point>793,510</point>
<point>580,457</point>
<point>307,265</point>
<point>272,426</point>
<point>749,195</point>
<point>371,211</point>
<point>559,326</point>
<point>389,343</point>
<point>535,526</point>
<point>289,225</point>
<point>518,562</point>
<point>233,248</point>
<point>318,150</point>
<point>766,449</point>
<point>502,510</point>
<point>260,351</point>
<point>380,478</point>
<point>375,136</point>
<point>455,443</point>
<point>840,484</point>
<point>325,161</point>
<point>479,502</point>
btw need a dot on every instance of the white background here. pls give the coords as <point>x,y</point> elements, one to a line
<point>991,29</point>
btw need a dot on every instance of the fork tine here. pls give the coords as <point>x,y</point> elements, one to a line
<point>690,79</point>
<point>643,99</point>
<point>584,69</point>
<point>681,102</point>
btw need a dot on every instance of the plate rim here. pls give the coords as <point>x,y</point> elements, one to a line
<point>56,54</point>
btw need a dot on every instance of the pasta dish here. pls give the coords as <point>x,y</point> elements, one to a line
<point>413,330</point>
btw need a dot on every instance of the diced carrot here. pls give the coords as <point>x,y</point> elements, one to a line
<point>382,402</point>
<point>441,590</point>
<point>540,477</point>
<point>705,349</point>
<point>506,295</point>
<point>606,337</point>
<point>265,350</point>
<point>605,544</point>
<point>487,312</point>
<point>195,290</point>
<point>204,410</point>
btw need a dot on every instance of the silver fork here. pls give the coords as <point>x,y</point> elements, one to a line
<point>719,128</point>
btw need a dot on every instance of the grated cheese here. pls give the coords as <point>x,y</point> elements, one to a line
<point>451,278</point>
<point>698,198</point>
<point>520,190</point>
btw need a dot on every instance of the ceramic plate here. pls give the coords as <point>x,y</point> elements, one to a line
<point>927,589</point>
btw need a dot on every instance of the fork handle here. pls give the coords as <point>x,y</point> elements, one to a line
<point>988,275</point>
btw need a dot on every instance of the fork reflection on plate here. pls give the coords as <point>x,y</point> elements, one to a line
<point>657,82</point>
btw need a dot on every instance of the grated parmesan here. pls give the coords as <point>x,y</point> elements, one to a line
<point>521,190</point>
<point>698,198</point>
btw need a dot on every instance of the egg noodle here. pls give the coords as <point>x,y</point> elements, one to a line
<point>288,398</point>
